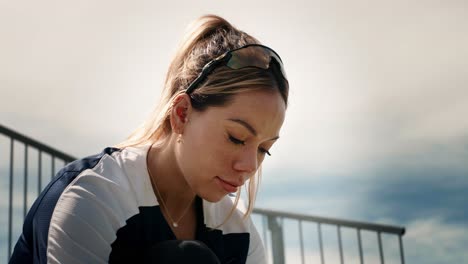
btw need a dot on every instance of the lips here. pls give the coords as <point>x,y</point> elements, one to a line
<point>227,186</point>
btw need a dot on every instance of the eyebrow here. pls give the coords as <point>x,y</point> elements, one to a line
<point>248,126</point>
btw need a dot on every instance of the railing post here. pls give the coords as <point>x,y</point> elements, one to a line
<point>340,244</point>
<point>10,204</point>
<point>319,231</point>
<point>402,254</point>
<point>379,236</point>
<point>277,243</point>
<point>361,255</point>
<point>25,185</point>
<point>301,240</point>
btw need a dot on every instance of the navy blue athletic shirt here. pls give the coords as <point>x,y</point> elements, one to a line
<point>102,209</point>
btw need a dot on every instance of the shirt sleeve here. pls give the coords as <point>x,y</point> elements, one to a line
<point>84,223</point>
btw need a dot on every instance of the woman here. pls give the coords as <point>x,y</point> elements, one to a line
<point>162,196</point>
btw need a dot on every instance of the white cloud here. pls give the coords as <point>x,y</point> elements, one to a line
<point>433,241</point>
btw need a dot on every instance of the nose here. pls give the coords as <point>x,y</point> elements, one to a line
<point>246,163</point>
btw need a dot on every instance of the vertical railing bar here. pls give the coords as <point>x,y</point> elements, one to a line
<point>275,225</point>
<point>340,244</point>
<point>39,176</point>
<point>320,243</point>
<point>402,255</point>
<point>282,238</point>
<point>360,245</point>
<point>52,166</point>
<point>265,238</point>
<point>25,189</point>
<point>301,240</point>
<point>10,206</point>
<point>380,248</point>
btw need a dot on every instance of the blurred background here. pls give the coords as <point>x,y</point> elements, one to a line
<point>376,130</point>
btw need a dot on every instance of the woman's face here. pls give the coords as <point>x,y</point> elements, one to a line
<point>224,146</point>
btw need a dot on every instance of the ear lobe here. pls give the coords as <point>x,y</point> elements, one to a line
<point>180,111</point>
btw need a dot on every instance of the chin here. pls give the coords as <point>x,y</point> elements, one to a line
<point>213,198</point>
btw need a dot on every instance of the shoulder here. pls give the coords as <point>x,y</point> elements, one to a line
<point>95,204</point>
<point>65,179</point>
<point>115,178</point>
<point>37,223</point>
<point>110,173</point>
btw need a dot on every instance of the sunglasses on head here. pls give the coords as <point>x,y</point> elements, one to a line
<point>251,55</point>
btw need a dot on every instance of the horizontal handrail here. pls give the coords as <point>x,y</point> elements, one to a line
<point>36,144</point>
<point>333,221</point>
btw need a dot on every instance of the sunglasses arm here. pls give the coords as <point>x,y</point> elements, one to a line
<point>205,72</point>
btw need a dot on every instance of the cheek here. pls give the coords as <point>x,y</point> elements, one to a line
<point>210,157</point>
<point>207,155</point>
<point>217,153</point>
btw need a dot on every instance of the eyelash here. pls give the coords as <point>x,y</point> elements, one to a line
<point>240,142</point>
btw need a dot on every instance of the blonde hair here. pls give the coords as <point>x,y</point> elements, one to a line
<point>206,38</point>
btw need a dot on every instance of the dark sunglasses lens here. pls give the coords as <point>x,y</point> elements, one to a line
<point>254,56</point>
<point>280,65</point>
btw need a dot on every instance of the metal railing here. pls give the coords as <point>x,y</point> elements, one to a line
<point>14,139</point>
<point>272,222</point>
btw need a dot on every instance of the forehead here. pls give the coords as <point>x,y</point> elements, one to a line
<point>263,110</point>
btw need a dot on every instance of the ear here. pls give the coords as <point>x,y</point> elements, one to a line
<point>180,112</point>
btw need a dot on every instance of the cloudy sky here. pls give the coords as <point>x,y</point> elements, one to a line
<point>377,127</point>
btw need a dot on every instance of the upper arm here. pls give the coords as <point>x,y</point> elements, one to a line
<point>83,225</point>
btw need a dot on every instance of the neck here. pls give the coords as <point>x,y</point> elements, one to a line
<point>168,179</point>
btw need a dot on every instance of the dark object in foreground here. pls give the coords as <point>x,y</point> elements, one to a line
<point>180,251</point>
